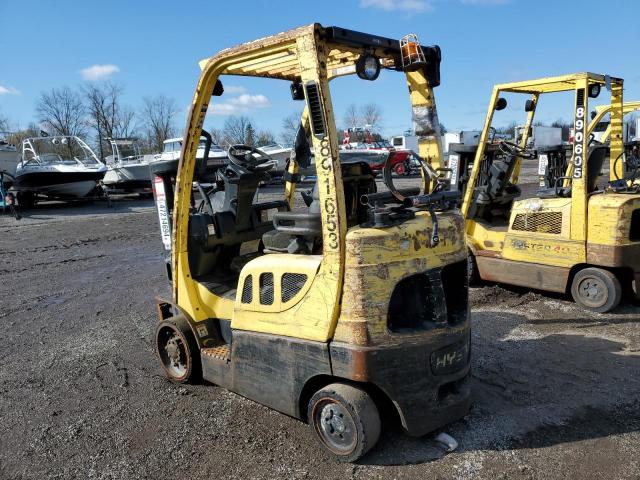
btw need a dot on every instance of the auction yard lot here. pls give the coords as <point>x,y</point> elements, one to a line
<point>555,389</point>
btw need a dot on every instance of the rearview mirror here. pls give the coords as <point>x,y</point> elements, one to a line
<point>501,104</point>
<point>218,90</point>
<point>529,106</point>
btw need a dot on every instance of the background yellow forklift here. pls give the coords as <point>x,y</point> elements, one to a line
<point>572,236</point>
<point>630,158</point>
<point>326,313</point>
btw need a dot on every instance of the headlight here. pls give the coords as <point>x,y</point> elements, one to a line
<point>368,67</point>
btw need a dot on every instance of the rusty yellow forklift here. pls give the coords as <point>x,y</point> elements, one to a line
<point>329,312</point>
<point>630,157</point>
<point>572,236</point>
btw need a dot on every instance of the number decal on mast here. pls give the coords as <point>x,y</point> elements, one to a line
<point>578,140</point>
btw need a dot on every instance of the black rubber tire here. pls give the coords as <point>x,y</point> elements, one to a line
<point>177,330</point>
<point>361,419</point>
<point>26,199</point>
<point>596,289</point>
<point>473,275</point>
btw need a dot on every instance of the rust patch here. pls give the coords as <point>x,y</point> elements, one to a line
<point>614,256</point>
<point>542,277</point>
<point>359,365</point>
<point>382,271</point>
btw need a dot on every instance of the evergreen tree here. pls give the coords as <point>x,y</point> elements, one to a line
<point>250,135</point>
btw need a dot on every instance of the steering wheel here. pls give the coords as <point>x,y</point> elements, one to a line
<point>510,148</point>
<point>249,157</point>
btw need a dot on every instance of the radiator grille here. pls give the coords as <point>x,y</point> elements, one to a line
<point>292,283</point>
<point>247,290</point>
<point>266,288</point>
<point>539,222</point>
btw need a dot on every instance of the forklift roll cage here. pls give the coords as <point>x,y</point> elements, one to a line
<point>310,55</point>
<point>577,167</point>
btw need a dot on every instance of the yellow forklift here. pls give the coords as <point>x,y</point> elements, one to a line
<point>335,311</point>
<point>572,236</point>
<point>630,158</point>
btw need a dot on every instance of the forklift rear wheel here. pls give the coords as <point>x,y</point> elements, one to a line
<point>345,419</point>
<point>178,350</point>
<point>596,289</point>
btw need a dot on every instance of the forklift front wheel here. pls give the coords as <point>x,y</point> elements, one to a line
<point>345,419</point>
<point>596,289</point>
<point>178,350</point>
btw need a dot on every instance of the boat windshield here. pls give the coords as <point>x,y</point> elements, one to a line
<point>58,150</point>
<point>127,150</point>
<point>176,146</point>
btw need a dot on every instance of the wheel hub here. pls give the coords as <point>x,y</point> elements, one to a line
<point>592,291</point>
<point>337,427</point>
<point>173,354</point>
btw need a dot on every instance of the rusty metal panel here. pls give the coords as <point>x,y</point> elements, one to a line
<point>377,259</point>
<point>531,275</point>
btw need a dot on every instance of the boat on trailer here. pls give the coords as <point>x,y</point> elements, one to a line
<point>127,168</point>
<point>9,158</point>
<point>57,167</point>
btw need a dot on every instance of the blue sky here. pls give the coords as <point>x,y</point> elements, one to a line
<point>154,47</point>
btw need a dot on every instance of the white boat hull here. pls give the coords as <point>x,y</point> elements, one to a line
<point>68,190</point>
<point>128,177</point>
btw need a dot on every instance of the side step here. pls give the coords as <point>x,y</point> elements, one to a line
<point>221,352</point>
<point>216,365</point>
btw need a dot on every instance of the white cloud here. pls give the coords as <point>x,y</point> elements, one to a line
<point>234,89</point>
<point>238,105</point>
<point>98,72</point>
<point>8,91</point>
<point>415,6</point>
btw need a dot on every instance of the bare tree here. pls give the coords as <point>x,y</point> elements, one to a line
<point>158,114</point>
<point>62,111</point>
<point>4,123</point>
<point>108,117</point>
<point>216,135</point>
<point>235,130</point>
<point>265,137</point>
<point>371,114</point>
<point>352,117</point>
<point>17,137</point>
<point>290,125</point>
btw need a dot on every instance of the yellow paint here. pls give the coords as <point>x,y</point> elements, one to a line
<point>602,219</point>
<point>323,307</point>
<point>377,259</point>
<point>423,99</point>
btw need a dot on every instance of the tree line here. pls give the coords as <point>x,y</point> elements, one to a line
<point>97,112</point>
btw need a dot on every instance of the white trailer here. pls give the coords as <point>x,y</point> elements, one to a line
<point>541,136</point>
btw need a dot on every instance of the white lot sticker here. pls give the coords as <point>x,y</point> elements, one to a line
<point>543,161</point>
<point>163,212</point>
<point>454,160</point>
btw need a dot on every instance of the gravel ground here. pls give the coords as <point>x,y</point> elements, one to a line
<point>555,389</point>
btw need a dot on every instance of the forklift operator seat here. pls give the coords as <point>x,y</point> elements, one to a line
<point>494,199</point>
<point>296,232</point>
<point>595,162</point>
<point>301,232</point>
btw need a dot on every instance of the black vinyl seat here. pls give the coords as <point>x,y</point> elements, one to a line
<point>595,162</point>
<point>495,197</point>
<point>301,232</point>
<point>296,232</point>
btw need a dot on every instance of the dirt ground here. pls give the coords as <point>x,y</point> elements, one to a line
<point>555,389</point>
